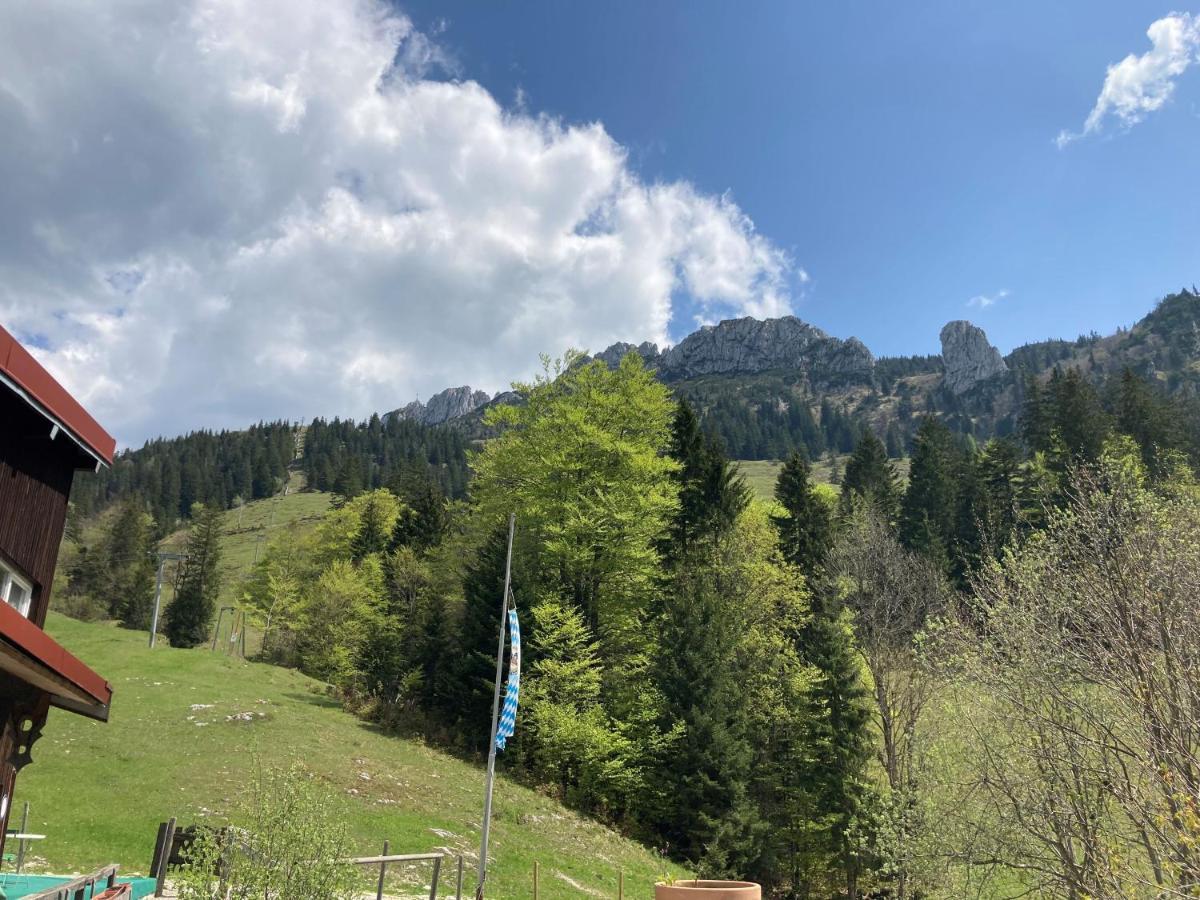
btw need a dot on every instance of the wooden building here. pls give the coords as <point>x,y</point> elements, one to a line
<point>45,437</point>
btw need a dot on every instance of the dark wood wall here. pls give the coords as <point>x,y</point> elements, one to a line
<point>35,484</point>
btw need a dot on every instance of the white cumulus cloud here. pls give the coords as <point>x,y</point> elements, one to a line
<point>218,211</point>
<point>1138,85</point>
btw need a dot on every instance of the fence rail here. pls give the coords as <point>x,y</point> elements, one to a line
<point>383,860</point>
<point>81,888</point>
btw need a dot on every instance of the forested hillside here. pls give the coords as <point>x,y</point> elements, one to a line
<point>171,474</point>
<point>224,469</point>
<point>809,692</point>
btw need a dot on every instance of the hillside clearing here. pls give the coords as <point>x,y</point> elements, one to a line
<point>188,726</point>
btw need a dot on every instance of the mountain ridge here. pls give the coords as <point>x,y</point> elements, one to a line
<point>767,386</point>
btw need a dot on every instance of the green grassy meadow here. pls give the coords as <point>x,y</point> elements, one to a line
<point>761,474</point>
<point>248,529</point>
<point>179,744</point>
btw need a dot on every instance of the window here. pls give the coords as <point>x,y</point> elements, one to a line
<point>15,589</point>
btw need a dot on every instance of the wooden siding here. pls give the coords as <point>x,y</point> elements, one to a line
<point>35,484</point>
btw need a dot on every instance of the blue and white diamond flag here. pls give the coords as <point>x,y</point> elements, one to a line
<point>508,715</point>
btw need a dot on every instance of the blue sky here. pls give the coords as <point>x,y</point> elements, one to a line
<point>903,154</point>
<point>216,212</point>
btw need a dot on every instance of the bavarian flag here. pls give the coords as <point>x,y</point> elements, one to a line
<point>508,715</point>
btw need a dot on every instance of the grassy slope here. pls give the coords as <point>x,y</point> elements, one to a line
<point>252,527</point>
<point>761,474</point>
<point>99,790</point>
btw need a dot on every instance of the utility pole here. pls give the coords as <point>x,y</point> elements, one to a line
<point>162,561</point>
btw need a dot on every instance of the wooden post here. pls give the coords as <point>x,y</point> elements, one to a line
<point>458,887</point>
<point>217,630</point>
<point>21,842</point>
<point>535,879</point>
<point>382,872</point>
<point>620,885</point>
<point>437,872</point>
<point>160,882</point>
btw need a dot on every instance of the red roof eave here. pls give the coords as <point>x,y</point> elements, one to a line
<point>32,641</point>
<point>18,365</point>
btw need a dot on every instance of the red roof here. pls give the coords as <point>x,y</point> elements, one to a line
<point>26,373</point>
<point>32,655</point>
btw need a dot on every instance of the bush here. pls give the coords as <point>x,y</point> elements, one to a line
<point>285,842</point>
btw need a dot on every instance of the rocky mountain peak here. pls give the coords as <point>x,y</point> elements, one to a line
<point>613,355</point>
<point>746,346</point>
<point>444,405</point>
<point>968,357</point>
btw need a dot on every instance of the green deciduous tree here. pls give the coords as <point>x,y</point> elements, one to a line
<point>581,462</point>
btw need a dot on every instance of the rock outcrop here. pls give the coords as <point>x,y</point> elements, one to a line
<point>746,346</point>
<point>968,357</point>
<point>618,351</point>
<point>444,406</point>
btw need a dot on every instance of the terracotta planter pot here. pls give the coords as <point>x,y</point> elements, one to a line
<point>708,890</point>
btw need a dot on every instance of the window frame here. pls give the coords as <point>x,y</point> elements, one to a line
<point>10,575</point>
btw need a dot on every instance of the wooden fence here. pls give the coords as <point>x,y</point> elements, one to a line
<point>81,888</point>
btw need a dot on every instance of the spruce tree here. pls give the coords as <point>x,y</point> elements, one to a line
<point>841,741</point>
<point>424,519</point>
<point>131,565</point>
<point>711,492</point>
<point>1079,417</point>
<point>806,529</point>
<point>1147,418</point>
<point>1037,416</point>
<point>703,812</point>
<point>372,535</point>
<point>190,614</point>
<point>869,476</point>
<point>479,634</point>
<point>927,512</point>
<point>988,506</point>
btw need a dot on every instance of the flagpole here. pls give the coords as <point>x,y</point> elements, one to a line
<point>491,766</point>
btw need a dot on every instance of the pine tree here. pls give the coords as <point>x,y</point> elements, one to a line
<point>841,740</point>
<point>893,441</point>
<point>424,519</point>
<point>711,492</point>
<point>927,512</point>
<point>479,634</point>
<point>704,811</point>
<point>190,614</point>
<point>372,535</point>
<point>1079,417</point>
<point>1037,416</point>
<point>988,506</point>
<point>806,529</point>
<point>870,477</point>
<point>131,570</point>
<point>1147,418</point>
<point>349,481</point>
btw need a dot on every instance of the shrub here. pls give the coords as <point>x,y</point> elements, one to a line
<point>284,842</point>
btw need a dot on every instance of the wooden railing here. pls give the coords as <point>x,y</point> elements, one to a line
<point>383,860</point>
<point>81,888</point>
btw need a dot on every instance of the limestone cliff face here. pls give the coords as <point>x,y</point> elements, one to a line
<point>745,346</point>
<point>968,357</point>
<point>617,352</point>
<point>444,406</point>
